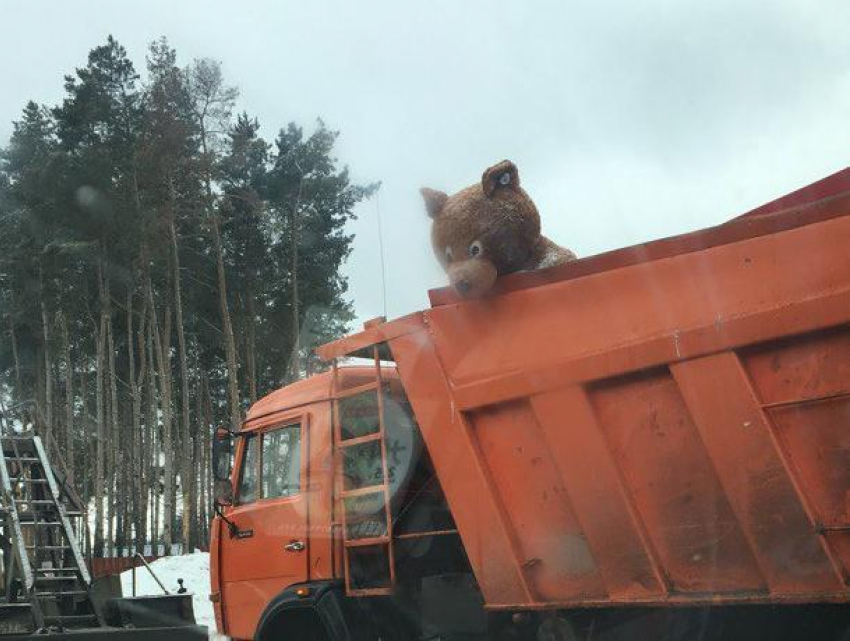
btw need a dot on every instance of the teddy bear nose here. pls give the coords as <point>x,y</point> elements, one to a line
<point>463,286</point>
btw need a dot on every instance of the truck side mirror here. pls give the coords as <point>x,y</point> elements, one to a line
<point>222,462</point>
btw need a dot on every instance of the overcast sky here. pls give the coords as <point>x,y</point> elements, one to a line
<point>628,121</point>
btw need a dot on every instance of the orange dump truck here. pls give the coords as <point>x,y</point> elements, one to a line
<point>656,429</point>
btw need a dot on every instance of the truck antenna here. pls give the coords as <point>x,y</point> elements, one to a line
<point>381,247</point>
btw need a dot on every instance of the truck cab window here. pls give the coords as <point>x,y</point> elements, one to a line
<point>282,462</point>
<point>248,471</point>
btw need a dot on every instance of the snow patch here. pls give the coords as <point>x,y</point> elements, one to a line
<point>194,569</point>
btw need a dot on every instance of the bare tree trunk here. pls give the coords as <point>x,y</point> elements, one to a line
<point>40,377</point>
<point>295,237</point>
<point>115,451</point>
<point>296,343</point>
<point>19,390</point>
<point>138,466</point>
<point>100,480</point>
<point>69,397</point>
<point>227,327</point>
<point>152,488</point>
<point>204,423</point>
<point>156,524</point>
<point>108,490</point>
<point>186,462</point>
<point>142,495</point>
<point>197,468</point>
<point>136,386</point>
<point>251,345</point>
<point>133,465</point>
<point>85,466</point>
<point>85,425</point>
<point>207,470</point>
<point>169,447</point>
<point>162,343</point>
<point>125,501</point>
<point>48,369</point>
<point>201,453</point>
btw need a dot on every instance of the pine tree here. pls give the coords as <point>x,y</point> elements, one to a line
<point>152,243</point>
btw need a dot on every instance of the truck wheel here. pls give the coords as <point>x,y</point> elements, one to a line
<point>556,628</point>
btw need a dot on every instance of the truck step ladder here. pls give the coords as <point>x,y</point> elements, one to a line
<point>46,566</point>
<point>362,483</point>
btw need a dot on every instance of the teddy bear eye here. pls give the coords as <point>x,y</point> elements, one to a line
<point>475,248</point>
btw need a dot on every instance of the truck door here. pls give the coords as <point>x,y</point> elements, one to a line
<point>269,552</point>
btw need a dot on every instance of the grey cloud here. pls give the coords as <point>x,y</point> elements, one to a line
<point>628,121</point>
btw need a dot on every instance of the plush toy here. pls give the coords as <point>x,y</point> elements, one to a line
<point>488,230</point>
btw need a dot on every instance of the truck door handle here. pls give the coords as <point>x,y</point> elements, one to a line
<point>294,546</point>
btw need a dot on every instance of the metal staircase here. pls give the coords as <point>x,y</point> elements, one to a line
<point>43,561</point>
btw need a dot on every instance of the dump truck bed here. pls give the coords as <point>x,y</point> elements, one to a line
<point>665,424</point>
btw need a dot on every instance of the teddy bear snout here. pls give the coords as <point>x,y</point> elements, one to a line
<point>472,278</point>
<point>463,286</point>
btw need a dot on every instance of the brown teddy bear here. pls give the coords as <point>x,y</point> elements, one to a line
<point>488,230</point>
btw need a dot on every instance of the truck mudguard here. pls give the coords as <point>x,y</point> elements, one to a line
<point>324,602</point>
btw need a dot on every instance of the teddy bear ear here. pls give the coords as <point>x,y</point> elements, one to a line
<point>434,201</point>
<point>504,174</point>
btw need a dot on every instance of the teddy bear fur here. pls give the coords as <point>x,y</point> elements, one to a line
<point>487,230</point>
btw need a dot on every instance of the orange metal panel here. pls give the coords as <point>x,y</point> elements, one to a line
<point>814,313</point>
<point>620,547</point>
<point>824,188</point>
<point>839,542</point>
<point>215,573</point>
<point>319,490</point>
<point>804,367</point>
<point>490,544</point>
<point>675,489</point>
<point>816,439</point>
<point>737,436</point>
<point>558,562</point>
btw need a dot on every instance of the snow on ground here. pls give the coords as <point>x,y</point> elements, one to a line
<point>194,569</point>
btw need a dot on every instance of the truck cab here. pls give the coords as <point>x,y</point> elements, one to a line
<point>317,505</point>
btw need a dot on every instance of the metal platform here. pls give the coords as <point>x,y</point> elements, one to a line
<point>47,587</point>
